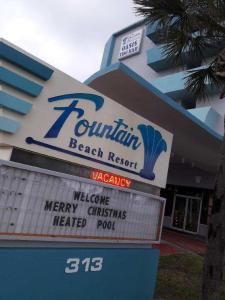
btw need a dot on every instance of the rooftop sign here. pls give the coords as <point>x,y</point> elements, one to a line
<point>131,44</point>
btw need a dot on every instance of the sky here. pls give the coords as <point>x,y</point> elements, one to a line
<point>68,34</point>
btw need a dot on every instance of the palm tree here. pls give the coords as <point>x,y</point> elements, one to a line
<point>196,27</point>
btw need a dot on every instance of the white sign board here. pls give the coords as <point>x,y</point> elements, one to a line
<point>37,204</point>
<point>131,44</point>
<point>89,129</point>
<point>72,122</point>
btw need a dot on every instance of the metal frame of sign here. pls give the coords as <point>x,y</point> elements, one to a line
<point>67,238</point>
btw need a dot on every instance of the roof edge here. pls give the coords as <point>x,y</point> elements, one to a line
<point>166,99</point>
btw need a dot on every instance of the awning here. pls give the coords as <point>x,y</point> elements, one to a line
<point>193,139</point>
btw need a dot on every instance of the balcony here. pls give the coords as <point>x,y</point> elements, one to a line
<point>210,117</point>
<point>158,61</point>
<point>151,32</point>
<point>174,86</point>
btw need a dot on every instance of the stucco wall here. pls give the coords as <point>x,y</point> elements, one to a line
<point>138,62</point>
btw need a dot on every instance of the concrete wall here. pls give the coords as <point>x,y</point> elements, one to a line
<point>138,62</point>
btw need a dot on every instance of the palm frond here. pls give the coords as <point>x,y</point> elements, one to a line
<point>190,28</point>
<point>210,23</point>
<point>180,43</point>
<point>199,82</point>
<point>161,12</point>
<point>179,29</point>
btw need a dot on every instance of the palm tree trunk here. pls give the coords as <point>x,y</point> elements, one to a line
<point>214,257</point>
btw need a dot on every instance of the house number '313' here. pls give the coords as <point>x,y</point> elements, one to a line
<point>88,264</point>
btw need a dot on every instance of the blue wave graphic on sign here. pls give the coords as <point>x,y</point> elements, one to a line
<point>154,145</point>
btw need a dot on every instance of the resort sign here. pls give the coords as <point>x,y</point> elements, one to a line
<point>72,122</point>
<point>92,132</point>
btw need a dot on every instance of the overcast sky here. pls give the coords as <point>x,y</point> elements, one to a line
<point>68,34</point>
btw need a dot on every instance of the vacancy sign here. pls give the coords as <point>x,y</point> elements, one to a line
<point>109,178</point>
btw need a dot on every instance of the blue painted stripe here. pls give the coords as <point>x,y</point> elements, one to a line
<point>25,62</point>
<point>14,103</point>
<point>8,125</point>
<point>108,52</point>
<point>19,82</point>
<point>170,102</point>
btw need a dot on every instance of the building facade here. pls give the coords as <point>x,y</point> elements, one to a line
<point>136,74</point>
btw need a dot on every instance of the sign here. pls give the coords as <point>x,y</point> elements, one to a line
<point>81,274</point>
<point>88,129</point>
<point>131,44</point>
<point>72,122</point>
<point>38,204</point>
<point>109,178</point>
